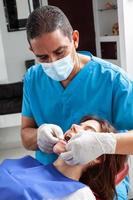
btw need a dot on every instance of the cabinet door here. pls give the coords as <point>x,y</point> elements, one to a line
<point>80,15</point>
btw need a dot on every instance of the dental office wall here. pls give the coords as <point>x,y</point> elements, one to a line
<point>13,50</point>
<point>3,71</point>
<point>125,15</point>
<point>13,53</point>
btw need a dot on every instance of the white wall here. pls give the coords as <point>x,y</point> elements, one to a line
<point>125,9</point>
<point>3,71</point>
<point>15,50</point>
<point>13,53</point>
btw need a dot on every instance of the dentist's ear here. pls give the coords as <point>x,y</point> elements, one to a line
<point>75,37</point>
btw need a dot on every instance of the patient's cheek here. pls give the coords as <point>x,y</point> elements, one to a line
<point>59,147</point>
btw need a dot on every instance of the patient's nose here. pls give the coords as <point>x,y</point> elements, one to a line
<point>76,128</point>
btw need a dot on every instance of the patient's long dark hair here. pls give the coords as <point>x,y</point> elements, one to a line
<point>101,177</point>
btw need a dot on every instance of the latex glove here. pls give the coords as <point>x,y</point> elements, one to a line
<point>47,136</point>
<point>87,146</point>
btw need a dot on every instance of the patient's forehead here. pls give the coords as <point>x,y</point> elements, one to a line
<point>92,123</point>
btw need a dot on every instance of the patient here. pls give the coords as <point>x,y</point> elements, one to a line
<point>28,179</point>
<point>101,174</point>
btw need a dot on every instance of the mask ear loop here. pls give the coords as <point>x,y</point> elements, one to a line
<point>79,63</point>
<point>76,55</point>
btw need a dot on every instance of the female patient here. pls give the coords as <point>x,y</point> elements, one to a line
<point>27,179</point>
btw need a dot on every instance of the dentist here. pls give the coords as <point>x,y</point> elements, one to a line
<point>65,86</point>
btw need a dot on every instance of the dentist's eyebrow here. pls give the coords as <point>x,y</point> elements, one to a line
<point>54,51</point>
<point>41,56</point>
<point>60,48</point>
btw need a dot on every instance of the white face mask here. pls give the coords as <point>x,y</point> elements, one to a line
<point>59,70</point>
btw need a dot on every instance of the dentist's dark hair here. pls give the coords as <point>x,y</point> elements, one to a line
<point>46,20</point>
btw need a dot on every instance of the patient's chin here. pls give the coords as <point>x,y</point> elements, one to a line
<point>59,147</point>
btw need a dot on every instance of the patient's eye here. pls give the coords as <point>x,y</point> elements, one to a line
<point>89,128</point>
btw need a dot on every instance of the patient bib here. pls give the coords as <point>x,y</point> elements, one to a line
<point>27,179</point>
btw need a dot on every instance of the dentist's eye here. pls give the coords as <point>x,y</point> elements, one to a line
<point>44,60</point>
<point>60,53</point>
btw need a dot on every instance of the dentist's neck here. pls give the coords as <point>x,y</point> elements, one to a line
<point>73,172</point>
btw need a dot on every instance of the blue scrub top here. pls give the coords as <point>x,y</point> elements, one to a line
<point>100,88</point>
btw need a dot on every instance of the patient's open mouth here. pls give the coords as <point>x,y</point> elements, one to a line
<point>67,137</point>
<point>69,134</point>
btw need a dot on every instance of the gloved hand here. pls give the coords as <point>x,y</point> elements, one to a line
<point>87,146</point>
<point>47,136</point>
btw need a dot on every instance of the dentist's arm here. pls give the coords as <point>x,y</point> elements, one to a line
<point>124,143</point>
<point>85,147</point>
<point>29,133</point>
